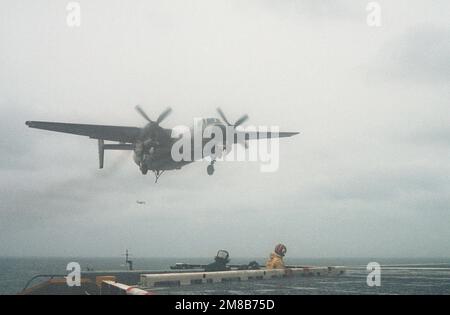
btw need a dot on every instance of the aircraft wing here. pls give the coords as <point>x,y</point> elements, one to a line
<point>250,135</point>
<point>110,133</point>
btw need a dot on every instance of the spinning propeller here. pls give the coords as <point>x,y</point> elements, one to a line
<point>238,122</point>
<point>161,117</point>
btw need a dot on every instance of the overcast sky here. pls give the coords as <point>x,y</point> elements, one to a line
<point>369,175</point>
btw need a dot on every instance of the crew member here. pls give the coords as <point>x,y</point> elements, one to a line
<point>220,262</point>
<point>276,258</point>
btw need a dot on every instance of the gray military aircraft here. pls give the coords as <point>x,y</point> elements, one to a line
<point>152,144</point>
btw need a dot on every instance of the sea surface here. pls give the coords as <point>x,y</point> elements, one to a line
<point>398,276</point>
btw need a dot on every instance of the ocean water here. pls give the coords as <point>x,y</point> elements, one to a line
<point>398,276</point>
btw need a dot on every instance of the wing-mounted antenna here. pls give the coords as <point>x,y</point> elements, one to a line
<point>114,146</point>
<point>101,153</point>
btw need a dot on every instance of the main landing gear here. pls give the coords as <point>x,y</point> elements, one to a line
<point>210,168</point>
<point>144,170</point>
<point>157,175</point>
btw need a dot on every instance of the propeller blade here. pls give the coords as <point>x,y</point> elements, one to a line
<point>143,114</point>
<point>222,115</point>
<point>163,115</point>
<point>241,120</point>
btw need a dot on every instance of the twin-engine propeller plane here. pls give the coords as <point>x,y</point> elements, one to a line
<point>152,144</point>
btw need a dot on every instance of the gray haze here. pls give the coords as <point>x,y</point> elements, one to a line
<point>368,176</point>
